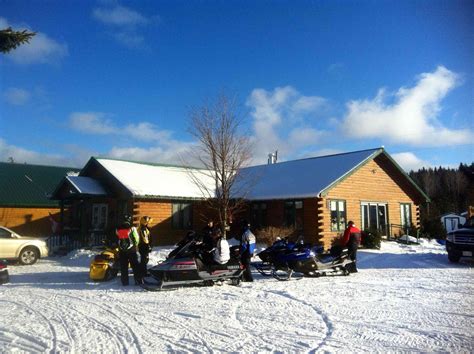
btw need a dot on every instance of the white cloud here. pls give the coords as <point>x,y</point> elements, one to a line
<point>22,155</point>
<point>16,96</point>
<point>409,161</point>
<point>129,39</point>
<point>97,123</point>
<point>123,23</point>
<point>40,49</point>
<point>91,123</point>
<point>412,118</point>
<point>281,120</point>
<point>119,16</point>
<point>174,152</point>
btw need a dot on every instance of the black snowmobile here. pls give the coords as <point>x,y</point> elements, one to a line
<point>190,263</point>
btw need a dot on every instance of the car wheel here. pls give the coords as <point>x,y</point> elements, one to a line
<point>28,256</point>
<point>454,257</point>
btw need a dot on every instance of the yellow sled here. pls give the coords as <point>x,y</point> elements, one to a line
<point>105,265</point>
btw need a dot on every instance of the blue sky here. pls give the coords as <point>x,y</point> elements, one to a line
<point>118,79</point>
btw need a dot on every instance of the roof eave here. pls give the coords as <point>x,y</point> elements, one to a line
<point>324,192</point>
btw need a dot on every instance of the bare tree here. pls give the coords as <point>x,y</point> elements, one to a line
<point>222,150</point>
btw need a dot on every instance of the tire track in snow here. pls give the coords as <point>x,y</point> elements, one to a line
<point>24,343</point>
<point>109,310</point>
<point>23,305</point>
<point>327,322</point>
<point>74,322</point>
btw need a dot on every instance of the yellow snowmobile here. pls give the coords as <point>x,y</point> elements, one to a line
<point>105,265</point>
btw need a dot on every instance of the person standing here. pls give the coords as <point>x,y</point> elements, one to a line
<point>144,245</point>
<point>128,241</point>
<point>351,240</point>
<point>247,248</point>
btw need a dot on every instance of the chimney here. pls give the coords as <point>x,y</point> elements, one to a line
<point>273,157</point>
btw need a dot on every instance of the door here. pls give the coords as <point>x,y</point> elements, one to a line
<point>8,244</point>
<point>99,216</point>
<point>374,217</point>
<point>405,216</point>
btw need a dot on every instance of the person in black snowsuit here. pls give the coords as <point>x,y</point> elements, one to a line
<point>144,247</point>
<point>128,240</point>
<point>208,234</point>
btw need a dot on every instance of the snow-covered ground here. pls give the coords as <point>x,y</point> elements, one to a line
<point>404,298</point>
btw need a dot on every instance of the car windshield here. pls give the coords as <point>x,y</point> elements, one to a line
<point>469,223</point>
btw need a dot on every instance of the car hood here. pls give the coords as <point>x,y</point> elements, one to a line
<point>29,238</point>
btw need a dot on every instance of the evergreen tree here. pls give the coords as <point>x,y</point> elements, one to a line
<point>10,39</point>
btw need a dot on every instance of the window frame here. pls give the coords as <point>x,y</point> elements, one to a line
<point>338,214</point>
<point>290,208</point>
<point>259,214</point>
<point>178,215</point>
<point>363,215</point>
<point>403,215</point>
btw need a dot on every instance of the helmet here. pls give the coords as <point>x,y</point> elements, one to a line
<point>144,220</point>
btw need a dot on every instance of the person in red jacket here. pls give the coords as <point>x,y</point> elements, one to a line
<point>351,240</point>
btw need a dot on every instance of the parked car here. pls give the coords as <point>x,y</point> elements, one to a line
<point>26,250</point>
<point>460,242</point>
<point>4,277</point>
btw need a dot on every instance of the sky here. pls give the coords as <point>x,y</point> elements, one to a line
<point>119,78</point>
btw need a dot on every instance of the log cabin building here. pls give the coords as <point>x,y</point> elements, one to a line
<point>317,196</point>
<point>25,206</point>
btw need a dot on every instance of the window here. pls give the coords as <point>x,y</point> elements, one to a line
<point>338,215</point>
<point>182,216</point>
<point>5,233</point>
<point>259,215</point>
<point>374,217</point>
<point>405,215</point>
<point>451,223</point>
<point>293,214</point>
<point>99,216</point>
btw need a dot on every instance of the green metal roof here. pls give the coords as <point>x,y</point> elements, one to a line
<point>25,185</point>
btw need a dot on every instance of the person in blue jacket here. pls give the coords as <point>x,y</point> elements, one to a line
<point>247,249</point>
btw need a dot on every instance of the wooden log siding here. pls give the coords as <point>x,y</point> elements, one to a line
<point>373,182</point>
<point>28,221</point>
<point>161,229</point>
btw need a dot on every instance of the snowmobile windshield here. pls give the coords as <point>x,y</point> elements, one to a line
<point>187,249</point>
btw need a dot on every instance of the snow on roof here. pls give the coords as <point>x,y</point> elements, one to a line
<point>148,180</point>
<point>86,185</point>
<point>301,178</point>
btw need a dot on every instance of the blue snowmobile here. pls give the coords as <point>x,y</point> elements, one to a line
<point>284,258</point>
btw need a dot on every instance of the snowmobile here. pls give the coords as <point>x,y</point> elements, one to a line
<point>284,258</point>
<point>106,265</point>
<point>189,263</point>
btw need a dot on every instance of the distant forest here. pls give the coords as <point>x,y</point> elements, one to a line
<point>450,190</point>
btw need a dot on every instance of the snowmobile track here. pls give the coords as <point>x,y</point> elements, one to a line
<point>46,347</point>
<point>327,322</point>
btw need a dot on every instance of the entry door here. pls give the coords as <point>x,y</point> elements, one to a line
<point>374,216</point>
<point>99,216</point>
